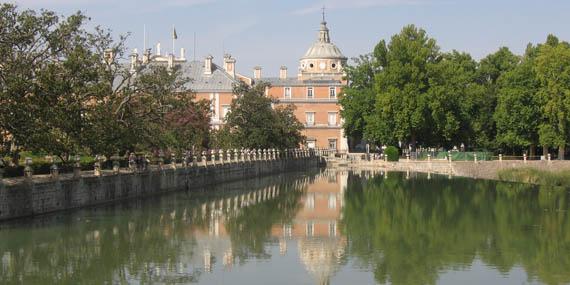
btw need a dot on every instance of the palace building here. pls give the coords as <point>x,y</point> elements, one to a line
<point>314,90</point>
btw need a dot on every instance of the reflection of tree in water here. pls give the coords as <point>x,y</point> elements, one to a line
<point>410,230</point>
<point>250,230</point>
<point>146,241</point>
<point>97,250</point>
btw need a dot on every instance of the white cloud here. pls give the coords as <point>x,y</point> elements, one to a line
<point>354,4</point>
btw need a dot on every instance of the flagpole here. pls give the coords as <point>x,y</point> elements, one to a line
<point>173,39</point>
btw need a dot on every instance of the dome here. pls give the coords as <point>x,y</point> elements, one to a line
<point>323,51</point>
<point>323,48</point>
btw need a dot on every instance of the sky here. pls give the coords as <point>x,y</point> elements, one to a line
<point>275,33</point>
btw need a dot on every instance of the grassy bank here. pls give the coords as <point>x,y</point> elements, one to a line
<point>535,176</point>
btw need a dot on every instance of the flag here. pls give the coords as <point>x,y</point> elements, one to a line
<point>174,35</point>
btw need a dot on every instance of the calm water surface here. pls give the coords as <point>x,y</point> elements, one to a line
<point>329,227</point>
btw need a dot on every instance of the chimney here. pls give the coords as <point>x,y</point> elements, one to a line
<point>230,65</point>
<point>146,56</point>
<point>283,72</point>
<point>134,60</point>
<point>208,65</point>
<point>158,49</point>
<point>182,53</point>
<point>170,61</point>
<point>109,55</point>
<point>257,72</point>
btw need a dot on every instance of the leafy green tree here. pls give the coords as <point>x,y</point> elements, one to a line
<point>402,104</point>
<point>156,110</point>
<point>65,90</point>
<point>481,105</point>
<point>553,71</point>
<point>518,113</point>
<point>358,97</point>
<point>49,73</point>
<point>451,84</point>
<point>253,123</point>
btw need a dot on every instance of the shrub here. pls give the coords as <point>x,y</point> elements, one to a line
<point>392,153</point>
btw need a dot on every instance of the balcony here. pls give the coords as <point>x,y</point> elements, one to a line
<point>321,126</point>
<point>309,100</point>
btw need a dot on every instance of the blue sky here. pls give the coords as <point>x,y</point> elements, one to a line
<point>275,33</point>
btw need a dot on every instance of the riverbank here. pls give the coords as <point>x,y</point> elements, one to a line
<point>493,170</point>
<point>26,197</point>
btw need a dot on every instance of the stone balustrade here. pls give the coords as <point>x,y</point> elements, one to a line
<point>138,163</point>
<point>139,176</point>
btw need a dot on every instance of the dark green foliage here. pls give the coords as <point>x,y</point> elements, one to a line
<point>407,91</point>
<point>64,91</point>
<point>392,153</point>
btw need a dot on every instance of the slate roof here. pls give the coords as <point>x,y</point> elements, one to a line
<point>218,81</point>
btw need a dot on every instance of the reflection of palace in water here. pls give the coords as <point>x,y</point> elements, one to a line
<point>314,228</point>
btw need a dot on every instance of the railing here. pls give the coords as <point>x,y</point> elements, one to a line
<point>308,100</point>
<point>454,156</point>
<point>133,162</point>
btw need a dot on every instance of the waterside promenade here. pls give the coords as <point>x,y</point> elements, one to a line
<point>473,169</point>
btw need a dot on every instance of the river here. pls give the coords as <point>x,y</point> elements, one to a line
<point>322,227</point>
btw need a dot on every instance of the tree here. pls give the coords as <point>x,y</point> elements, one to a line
<point>358,97</point>
<point>41,73</point>
<point>64,90</point>
<point>402,109</point>
<point>553,71</point>
<point>451,83</point>
<point>518,113</point>
<point>253,123</point>
<point>481,105</point>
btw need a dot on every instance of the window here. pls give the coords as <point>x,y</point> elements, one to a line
<point>310,201</point>
<point>310,229</point>
<point>310,94</point>
<point>332,228</point>
<point>287,230</point>
<point>332,144</point>
<point>332,201</point>
<point>332,119</point>
<point>332,92</point>
<point>287,93</point>
<point>310,118</point>
<point>213,106</point>
<point>225,110</point>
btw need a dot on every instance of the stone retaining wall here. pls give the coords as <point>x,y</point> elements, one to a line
<point>40,195</point>
<point>481,169</point>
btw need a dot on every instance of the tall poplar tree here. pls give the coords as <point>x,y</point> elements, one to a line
<point>553,71</point>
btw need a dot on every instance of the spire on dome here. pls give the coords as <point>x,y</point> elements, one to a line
<point>324,31</point>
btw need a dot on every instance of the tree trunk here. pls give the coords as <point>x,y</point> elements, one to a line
<point>413,141</point>
<point>544,151</point>
<point>532,150</point>
<point>561,150</point>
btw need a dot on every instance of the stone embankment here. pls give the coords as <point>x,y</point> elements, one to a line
<point>480,169</point>
<point>35,195</point>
